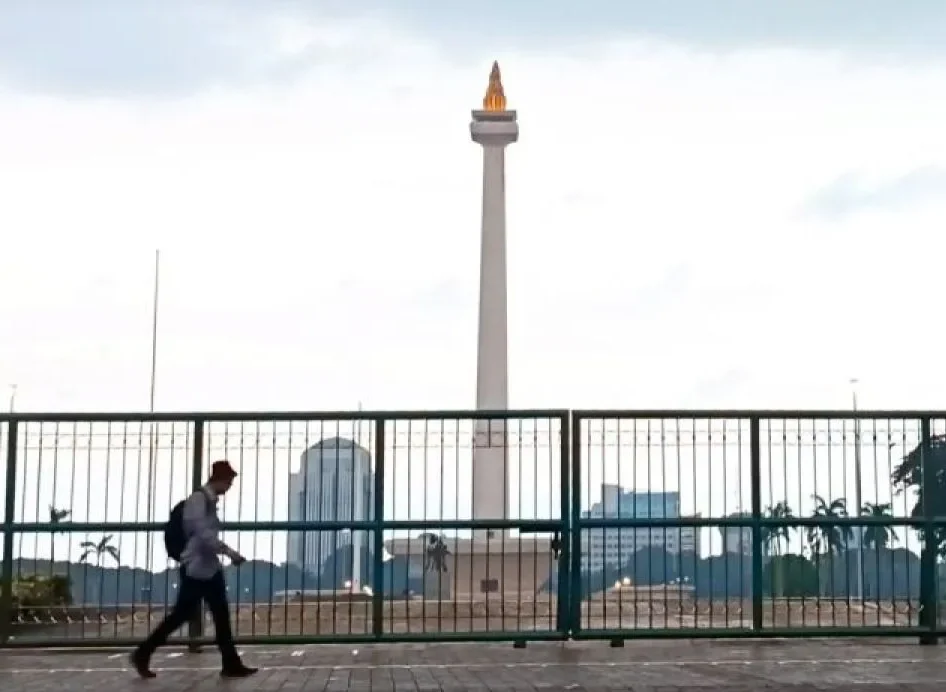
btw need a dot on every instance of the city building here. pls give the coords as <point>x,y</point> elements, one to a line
<point>737,539</point>
<point>602,547</point>
<point>334,483</point>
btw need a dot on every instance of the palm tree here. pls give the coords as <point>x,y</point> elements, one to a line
<point>436,552</point>
<point>100,550</point>
<point>772,537</point>
<point>55,517</point>
<point>878,535</point>
<point>909,474</point>
<point>828,538</point>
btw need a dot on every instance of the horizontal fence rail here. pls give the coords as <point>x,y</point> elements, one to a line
<point>502,525</point>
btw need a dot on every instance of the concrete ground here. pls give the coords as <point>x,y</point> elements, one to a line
<point>653,665</point>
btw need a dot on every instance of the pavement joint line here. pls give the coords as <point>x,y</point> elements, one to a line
<point>549,664</point>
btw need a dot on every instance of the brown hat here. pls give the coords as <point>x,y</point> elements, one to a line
<point>222,471</point>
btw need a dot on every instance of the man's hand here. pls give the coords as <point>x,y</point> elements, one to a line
<point>236,558</point>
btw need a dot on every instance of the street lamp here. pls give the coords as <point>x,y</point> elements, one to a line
<point>152,443</point>
<point>857,490</point>
<point>12,397</point>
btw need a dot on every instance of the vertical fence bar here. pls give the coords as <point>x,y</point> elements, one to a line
<point>195,628</point>
<point>9,516</point>
<point>927,616</point>
<point>574,581</point>
<point>377,595</point>
<point>563,593</point>
<point>755,470</point>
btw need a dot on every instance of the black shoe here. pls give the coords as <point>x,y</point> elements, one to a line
<point>139,661</point>
<point>240,671</point>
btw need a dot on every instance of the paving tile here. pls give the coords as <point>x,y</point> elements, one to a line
<point>872,666</point>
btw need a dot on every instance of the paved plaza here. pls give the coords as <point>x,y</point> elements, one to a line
<point>669,665</point>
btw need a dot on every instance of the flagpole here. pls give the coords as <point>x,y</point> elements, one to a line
<point>858,501</point>
<point>151,392</point>
<point>357,507</point>
<point>154,328</point>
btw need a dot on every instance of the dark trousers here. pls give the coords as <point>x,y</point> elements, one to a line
<point>211,591</point>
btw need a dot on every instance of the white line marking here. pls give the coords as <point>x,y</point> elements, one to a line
<point>176,654</point>
<point>296,654</point>
<point>114,656</point>
<point>543,664</point>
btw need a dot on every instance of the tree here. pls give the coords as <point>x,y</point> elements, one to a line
<point>878,535</point>
<point>772,537</point>
<point>828,538</point>
<point>35,595</point>
<point>436,552</point>
<point>798,576</point>
<point>100,550</point>
<point>909,474</point>
<point>55,517</point>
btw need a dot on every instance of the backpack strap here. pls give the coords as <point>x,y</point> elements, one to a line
<point>208,506</point>
<point>209,503</point>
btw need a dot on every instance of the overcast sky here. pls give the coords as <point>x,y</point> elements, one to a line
<point>726,204</point>
<point>738,207</point>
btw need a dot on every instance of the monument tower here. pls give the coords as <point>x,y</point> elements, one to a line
<point>486,564</point>
<point>494,127</point>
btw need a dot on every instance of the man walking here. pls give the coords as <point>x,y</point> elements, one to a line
<point>201,577</point>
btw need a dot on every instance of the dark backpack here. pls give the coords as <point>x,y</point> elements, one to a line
<point>175,538</point>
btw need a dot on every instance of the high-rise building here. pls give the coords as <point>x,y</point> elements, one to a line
<point>737,539</point>
<point>334,482</point>
<point>616,546</point>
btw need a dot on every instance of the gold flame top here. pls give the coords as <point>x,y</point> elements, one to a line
<point>495,99</point>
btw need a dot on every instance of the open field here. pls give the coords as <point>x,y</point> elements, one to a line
<point>325,618</point>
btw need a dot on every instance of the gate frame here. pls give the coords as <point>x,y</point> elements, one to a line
<point>569,524</point>
<point>927,635</point>
<point>378,524</point>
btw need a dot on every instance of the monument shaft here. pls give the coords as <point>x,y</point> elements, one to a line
<point>494,128</point>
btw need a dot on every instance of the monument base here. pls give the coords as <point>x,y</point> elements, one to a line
<point>515,568</point>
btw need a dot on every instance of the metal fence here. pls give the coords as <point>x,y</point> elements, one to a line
<point>374,526</point>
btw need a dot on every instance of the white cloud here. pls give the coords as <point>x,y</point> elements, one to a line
<point>308,226</point>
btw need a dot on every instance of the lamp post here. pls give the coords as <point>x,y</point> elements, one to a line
<point>357,481</point>
<point>857,490</point>
<point>12,398</point>
<point>151,437</point>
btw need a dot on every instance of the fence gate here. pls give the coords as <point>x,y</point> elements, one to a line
<point>459,525</point>
<point>357,526</point>
<point>754,523</point>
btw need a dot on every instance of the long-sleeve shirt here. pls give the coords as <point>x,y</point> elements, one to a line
<point>201,556</point>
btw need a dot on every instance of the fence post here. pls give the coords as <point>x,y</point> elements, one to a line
<point>9,516</point>
<point>574,581</point>
<point>563,593</point>
<point>378,585</point>
<point>195,628</point>
<point>927,615</point>
<point>755,470</point>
